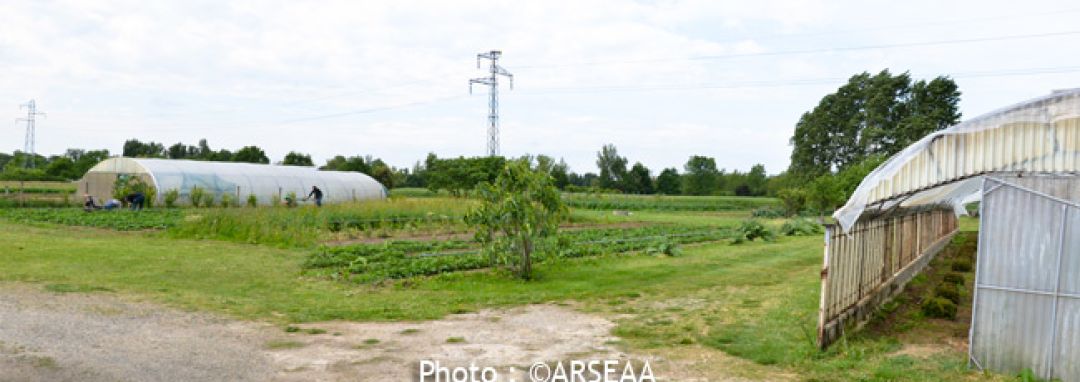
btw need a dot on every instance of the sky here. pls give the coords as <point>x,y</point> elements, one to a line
<point>660,80</point>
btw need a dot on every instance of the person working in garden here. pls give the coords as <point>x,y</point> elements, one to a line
<point>317,194</point>
<point>90,204</point>
<point>136,200</point>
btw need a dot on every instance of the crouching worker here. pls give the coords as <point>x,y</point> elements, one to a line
<point>90,205</point>
<point>136,200</point>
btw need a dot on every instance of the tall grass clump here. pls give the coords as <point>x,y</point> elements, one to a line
<point>170,198</point>
<point>307,225</point>
<point>197,195</point>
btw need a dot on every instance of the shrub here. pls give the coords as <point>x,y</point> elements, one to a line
<point>170,198</point>
<point>961,265</point>
<point>801,227</point>
<point>954,278</point>
<point>949,292</point>
<point>752,229</point>
<point>197,196</point>
<point>128,184</point>
<point>252,201</point>
<point>227,200</point>
<point>938,307</point>
<point>665,247</point>
<point>768,213</point>
<point>290,199</point>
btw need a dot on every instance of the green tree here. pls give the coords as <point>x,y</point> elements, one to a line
<point>700,177</point>
<point>62,167</point>
<point>517,211</point>
<point>353,163</point>
<point>251,154</point>
<point>297,159</point>
<point>133,148</point>
<point>560,173</point>
<point>639,180</point>
<point>756,180</point>
<point>459,175</point>
<point>382,173</point>
<point>667,182</point>
<point>612,168</point>
<point>870,115</point>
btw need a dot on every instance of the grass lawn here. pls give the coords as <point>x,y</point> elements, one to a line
<point>757,301</point>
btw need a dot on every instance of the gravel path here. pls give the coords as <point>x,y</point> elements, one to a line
<point>47,336</point>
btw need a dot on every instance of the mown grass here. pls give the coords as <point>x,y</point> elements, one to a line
<point>756,301</point>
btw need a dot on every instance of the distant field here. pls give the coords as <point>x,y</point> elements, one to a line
<point>666,203</point>
<point>37,187</point>
<point>36,194</point>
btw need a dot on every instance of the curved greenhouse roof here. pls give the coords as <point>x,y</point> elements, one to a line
<point>947,167</point>
<point>266,182</point>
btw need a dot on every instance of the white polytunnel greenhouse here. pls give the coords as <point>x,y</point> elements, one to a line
<point>1022,163</point>
<point>268,183</point>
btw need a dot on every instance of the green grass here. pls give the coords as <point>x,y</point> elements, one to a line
<point>756,301</point>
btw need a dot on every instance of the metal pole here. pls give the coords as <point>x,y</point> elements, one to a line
<point>1057,293</point>
<point>980,243</point>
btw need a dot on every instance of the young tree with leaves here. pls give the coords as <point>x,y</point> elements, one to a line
<point>517,211</point>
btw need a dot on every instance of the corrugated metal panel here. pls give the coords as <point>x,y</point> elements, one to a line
<point>868,264</point>
<point>1027,305</point>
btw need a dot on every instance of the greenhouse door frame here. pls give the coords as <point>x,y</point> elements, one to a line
<point>997,352</point>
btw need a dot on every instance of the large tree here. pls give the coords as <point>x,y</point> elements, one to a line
<point>251,154</point>
<point>639,180</point>
<point>701,176</point>
<point>297,159</point>
<point>870,115</point>
<point>667,182</point>
<point>612,168</point>
<point>133,148</point>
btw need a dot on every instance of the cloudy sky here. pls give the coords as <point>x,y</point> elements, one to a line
<point>660,80</point>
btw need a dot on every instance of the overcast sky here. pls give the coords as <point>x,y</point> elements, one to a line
<point>660,80</point>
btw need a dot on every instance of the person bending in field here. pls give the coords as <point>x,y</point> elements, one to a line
<point>136,200</point>
<point>90,204</point>
<point>317,194</point>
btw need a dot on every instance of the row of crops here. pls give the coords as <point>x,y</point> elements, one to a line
<point>665,203</point>
<point>122,220</point>
<point>402,259</point>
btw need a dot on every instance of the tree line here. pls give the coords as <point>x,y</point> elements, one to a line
<point>835,144</point>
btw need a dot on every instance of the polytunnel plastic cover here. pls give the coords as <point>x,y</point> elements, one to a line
<point>947,167</point>
<point>266,182</point>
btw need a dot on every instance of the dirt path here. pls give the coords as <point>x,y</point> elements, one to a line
<point>46,336</point>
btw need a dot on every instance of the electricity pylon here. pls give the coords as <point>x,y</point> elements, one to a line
<point>493,103</point>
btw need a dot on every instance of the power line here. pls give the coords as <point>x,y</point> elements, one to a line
<point>780,83</point>
<point>811,51</point>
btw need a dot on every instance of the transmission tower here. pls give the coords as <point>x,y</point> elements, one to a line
<point>493,102</point>
<point>28,146</point>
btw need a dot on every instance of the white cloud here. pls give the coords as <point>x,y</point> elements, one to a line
<point>241,73</point>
